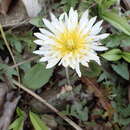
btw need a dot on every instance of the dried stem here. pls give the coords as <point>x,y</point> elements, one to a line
<point>23,62</point>
<point>9,49</point>
<point>73,124</point>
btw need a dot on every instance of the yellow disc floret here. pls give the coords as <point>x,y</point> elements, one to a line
<point>70,42</point>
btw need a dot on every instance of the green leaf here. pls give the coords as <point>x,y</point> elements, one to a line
<point>105,4</point>
<point>28,39</point>
<point>15,42</point>
<point>68,4</point>
<point>25,67</point>
<point>10,72</point>
<point>112,41</point>
<point>37,21</point>
<point>72,3</point>
<point>37,76</point>
<point>20,112</point>
<point>17,124</point>
<point>125,40</point>
<point>102,77</point>
<point>78,111</point>
<point>126,56</point>
<point>122,70</point>
<point>124,122</point>
<point>18,46</point>
<point>3,66</point>
<point>93,71</point>
<point>117,21</point>
<point>112,55</point>
<point>116,40</point>
<point>38,124</point>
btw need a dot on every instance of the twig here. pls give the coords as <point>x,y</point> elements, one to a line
<point>20,63</point>
<point>73,124</point>
<point>9,49</point>
<point>25,22</point>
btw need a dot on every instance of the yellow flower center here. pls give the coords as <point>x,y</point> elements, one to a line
<point>70,42</point>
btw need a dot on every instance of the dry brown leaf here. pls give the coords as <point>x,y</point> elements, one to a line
<point>33,7</point>
<point>4,6</point>
<point>98,93</point>
<point>8,110</point>
<point>3,91</point>
<point>127,3</point>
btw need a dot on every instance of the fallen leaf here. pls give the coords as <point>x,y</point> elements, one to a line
<point>4,6</point>
<point>98,93</point>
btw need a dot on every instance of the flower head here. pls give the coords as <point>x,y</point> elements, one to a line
<point>70,41</point>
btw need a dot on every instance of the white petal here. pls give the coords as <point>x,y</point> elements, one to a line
<point>52,63</point>
<point>89,26</point>
<point>71,11</point>
<point>99,48</point>
<point>73,63</point>
<point>78,70</point>
<point>43,59</point>
<point>41,36</point>
<point>65,61</point>
<point>73,19</point>
<point>50,42</point>
<point>66,19</point>
<point>62,17</point>
<point>50,26</point>
<point>48,53</point>
<point>84,63</point>
<point>100,37</point>
<point>40,52</point>
<point>84,20</point>
<point>57,24</point>
<point>91,22</point>
<point>94,57</point>
<point>53,18</point>
<point>85,60</point>
<point>97,43</point>
<point>43,51</point>
<point>96,28</point>
<point>44,48</point>
<point>59,27</point>
<point>39,42</point>
<point>46,32</point>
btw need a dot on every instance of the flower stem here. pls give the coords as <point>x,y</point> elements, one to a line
<point>67,76</point>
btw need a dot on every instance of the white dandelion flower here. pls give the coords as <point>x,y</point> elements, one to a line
<point>70,41</point>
